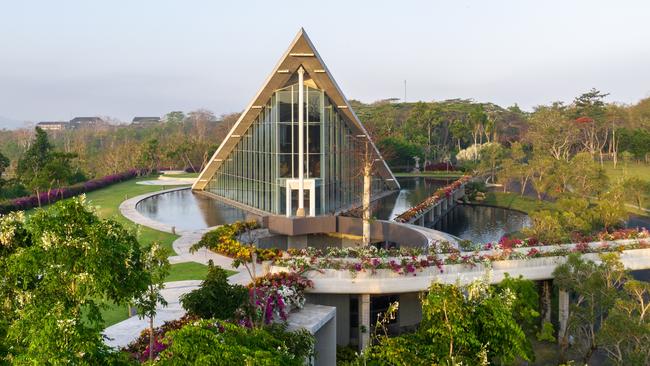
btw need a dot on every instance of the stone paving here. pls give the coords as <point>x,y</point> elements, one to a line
<point>122,333</point>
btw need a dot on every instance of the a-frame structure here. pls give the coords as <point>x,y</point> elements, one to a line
<point>299,117</point>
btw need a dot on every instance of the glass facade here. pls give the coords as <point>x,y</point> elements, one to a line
<point>256,171</point>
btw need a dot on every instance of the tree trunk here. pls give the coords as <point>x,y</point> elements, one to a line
<point>151,338</point>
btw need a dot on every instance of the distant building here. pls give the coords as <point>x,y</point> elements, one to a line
<point>145,121</point>
<point>85,122</point>
<point>53,125</point>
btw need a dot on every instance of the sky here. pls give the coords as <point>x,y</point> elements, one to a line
<point>125,58</point>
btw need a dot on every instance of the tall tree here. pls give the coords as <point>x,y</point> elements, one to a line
<point>551,132</point>
<point>58,266</point>
<point>42,168</point>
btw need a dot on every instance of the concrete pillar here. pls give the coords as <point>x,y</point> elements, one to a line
<point>421,220</point>
<point>545,300</point>
<point>325,346</point>
<point>364,321</point>
<point>432,214</point>
<point>563,311</point>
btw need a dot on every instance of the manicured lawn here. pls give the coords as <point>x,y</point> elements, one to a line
<point>190,271</point>
<point>107,201</point>
<point>183,175</point>
<point>631,169</point>
<point>516,202</point>
<point>437,174</point>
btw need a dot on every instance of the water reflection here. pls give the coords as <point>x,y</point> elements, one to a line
<point>482,224</point>
<point>187,210</point>
<point>414,190</point>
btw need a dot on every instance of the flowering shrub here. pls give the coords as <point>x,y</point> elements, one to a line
<point>194,341</point>
<point>274,295</point>
<point>139,348</point>
<point>409,261</point>
<point>53,195</point>
<point>224,240</point>
<point>430,201</point>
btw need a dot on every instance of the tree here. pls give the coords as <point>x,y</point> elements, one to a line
<point>471,324</point>
<point>58,267</point>
<point>636,189</point>
<point>215,298</point>
<point>175,117</point>
<point>610,207</point>
<point>423,117</point>
<point>594,288</point>
<point>157,267</point>
<point>491,157</point>
<point>4,163</point>
<point>149,155</point>
<point>625,334</point>
<point>41,168</point>
<point>589,111</point>
<point>550,132</point>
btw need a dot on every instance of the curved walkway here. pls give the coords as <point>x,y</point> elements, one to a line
<point>124,332</point>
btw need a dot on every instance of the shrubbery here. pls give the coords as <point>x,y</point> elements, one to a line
<point>56,194</point>
<point>215,298</point>
<point>224,240</point>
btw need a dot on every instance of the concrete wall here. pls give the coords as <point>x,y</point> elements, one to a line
<point>342,304</point>
<point>410,309</point>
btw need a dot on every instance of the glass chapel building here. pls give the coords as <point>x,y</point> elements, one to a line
<point>258,165</point>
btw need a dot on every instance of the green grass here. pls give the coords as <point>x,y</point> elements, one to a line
<point>190,271</point>
<point>516,202</point>
<point>113,314</point>
<point>437,174</point>
<point>183,175</point>
<point>629,170</point>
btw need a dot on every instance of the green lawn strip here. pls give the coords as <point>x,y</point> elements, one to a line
<point>190,271</point>
<point>183,175</point>
<point>632,169</point>
<point>516,202</point>
<point>624,170</point>
<point>113,313</point>
<point>436,174</point>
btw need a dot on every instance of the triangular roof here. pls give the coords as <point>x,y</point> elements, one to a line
<point>301,52</point>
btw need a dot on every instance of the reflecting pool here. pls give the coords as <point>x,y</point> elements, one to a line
<point>187,210</point>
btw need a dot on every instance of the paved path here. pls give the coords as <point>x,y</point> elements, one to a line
<point>122,333</point>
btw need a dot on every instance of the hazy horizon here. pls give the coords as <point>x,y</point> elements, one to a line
<point>124,58</point>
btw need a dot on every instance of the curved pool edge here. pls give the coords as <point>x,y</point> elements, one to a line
<point>128,209</point>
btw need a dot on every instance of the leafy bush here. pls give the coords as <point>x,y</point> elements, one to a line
<point>215,298</point>
<point>473,188</point>
<point>472,325</point>
<point>212,343</point>
<point>546,333</point>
